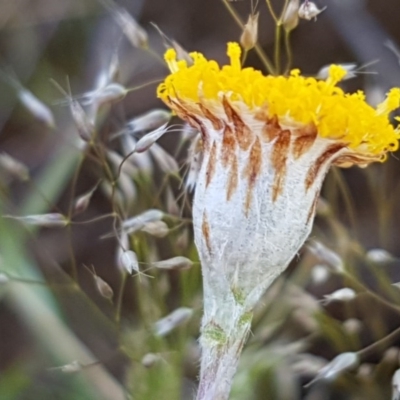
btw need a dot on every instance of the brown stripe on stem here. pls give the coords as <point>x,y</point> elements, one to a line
<point>271,129</point>
<point>312,208</point>
<point>216,122</point>
<point>232,178</point>
<point>243,132</point>
<point>229,145</point>
<point>252,171</point>
<point>279,157</point>
<point>305,138</point>
<point>205,228</point>
<point>183,112</point>
<point>321,161</point>
<point>190,107</point>
<point>212,160</point>
<point>347,160</point>
<point>180,107</point>
<point>198,124</point>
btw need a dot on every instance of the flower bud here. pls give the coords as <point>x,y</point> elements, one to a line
<point>85,127</point>
<point>320,274</point>
<point>104,288</point>
<point>51,220</point>
<point>150,120</point>
<point>150,359</point>
<point>308,10</point>
<point>344,294</point>
<point>290,18</point>
<point>39,110</point>
<point>249,36</point>
<point>129,261</point>
<point>174,264</point>
<point>379,256</point>
<point>139,221</point>
<point>157,228</point>
<point>14,167</point>
<point>148,140</point>
<point>83,201</point>
<point>143,161</point>
<point>171,321</point>
<point>352,326</point>
<point>337,366</point>
<point>32,104</point>
<point>108,94</point>
<point>74,366</point>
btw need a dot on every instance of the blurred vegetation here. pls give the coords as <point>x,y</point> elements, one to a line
<point>74,323</point>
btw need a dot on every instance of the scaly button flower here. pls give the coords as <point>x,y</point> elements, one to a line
<point>267,144</point>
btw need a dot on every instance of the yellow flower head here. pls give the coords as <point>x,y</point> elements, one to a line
<point>295,100</point>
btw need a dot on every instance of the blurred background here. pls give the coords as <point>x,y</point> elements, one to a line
<point>74,323</point>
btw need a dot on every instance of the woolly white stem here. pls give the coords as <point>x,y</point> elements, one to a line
<point>219,360</point>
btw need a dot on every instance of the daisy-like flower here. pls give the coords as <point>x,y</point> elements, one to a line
<point>267,144</point>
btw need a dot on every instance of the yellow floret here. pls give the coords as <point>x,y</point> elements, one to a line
<point>336,74</point>
<point>170,59</point>
<point>304,100</point>
<point>234,53</point>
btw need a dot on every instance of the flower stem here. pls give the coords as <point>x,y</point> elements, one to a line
<point>219,359</point>
<point>288,53</point>
<point>278,29</point>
